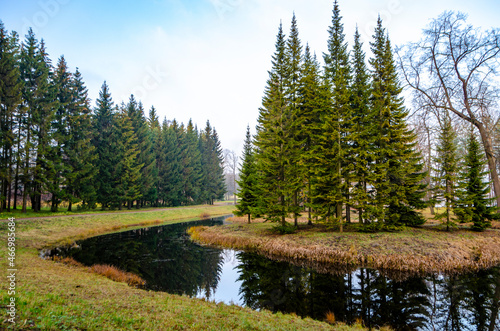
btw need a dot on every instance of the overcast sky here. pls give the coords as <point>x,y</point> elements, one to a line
<point>206,59</point>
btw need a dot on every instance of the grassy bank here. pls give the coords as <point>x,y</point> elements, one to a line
<point>409,252</point>
<point>55,296</point>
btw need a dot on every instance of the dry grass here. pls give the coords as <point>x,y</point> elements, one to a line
<point>118,275</point>
<point>330,317</point>
<point>413,251</point>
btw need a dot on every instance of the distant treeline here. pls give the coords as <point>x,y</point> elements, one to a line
<point>52,142</point>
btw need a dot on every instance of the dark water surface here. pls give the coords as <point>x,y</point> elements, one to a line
<point>168,261</point>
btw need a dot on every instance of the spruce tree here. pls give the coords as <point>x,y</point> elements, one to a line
<point>135,112</point>
<point>474,205</point>
<point>361,134</point>
<point>39,99</point>
<point>212,164</point>
<point>311,104</point>
<point>397,168</point>
<point>106,147</point>
<point>292,86</point>
<point>79,150</point>
<point>248,192</point>
<point>171,170</point>
<point>446,172</point>
<point>271,140</point>
<point>57,169</point>
<point>10,98</point>
<point>333,168</point>
<point>127,183</point>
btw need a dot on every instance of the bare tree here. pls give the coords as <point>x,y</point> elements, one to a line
<point>231,165</point>
<point>453,68</point>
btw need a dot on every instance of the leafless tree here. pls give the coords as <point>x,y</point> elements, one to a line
<point>231,165</point>
<point>454,69</point>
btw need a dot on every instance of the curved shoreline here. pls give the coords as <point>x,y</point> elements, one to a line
<point>416,252</point>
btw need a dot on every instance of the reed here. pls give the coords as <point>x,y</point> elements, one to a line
<point>402,256</point>
<point>117,275</point>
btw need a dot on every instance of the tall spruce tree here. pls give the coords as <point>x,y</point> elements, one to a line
<point>446,173</point>
<point>361,133</point>
<point>10,98</point>
<point>38,96</point>
<point>213,184</point>
<point>79,150</point>
<point>397,168</point>
<point>106,148</point>
<point>127,184</point>
<point>312,104</point>
<point>292,86</point>
<point>135,112</point>
<point>333,168</point>
<point>474,205</point>
<point>271,140</point>
<point>248,193</point>
<point>60,135</point>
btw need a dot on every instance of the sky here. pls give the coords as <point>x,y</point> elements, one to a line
<point>207,59</point>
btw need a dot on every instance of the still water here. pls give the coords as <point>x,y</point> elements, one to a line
<point>168,261</point>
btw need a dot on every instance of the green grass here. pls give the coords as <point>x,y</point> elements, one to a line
<point>54,296</point>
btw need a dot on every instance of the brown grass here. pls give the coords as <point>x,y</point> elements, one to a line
<point>330,317</point>
<point>117,275</point>
<point>204,216</point>
<point>413,251</point>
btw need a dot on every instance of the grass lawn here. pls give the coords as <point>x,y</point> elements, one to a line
<point>55,296</point>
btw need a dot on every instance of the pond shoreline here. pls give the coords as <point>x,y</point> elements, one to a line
<point>411,252</point>
<point>54,296</point>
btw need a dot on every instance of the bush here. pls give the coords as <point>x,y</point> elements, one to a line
<point>284,229</point>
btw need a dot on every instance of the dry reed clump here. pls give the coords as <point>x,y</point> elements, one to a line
<point>67,261</point>
<point>204,216</point>
<point>117,275</point>
<point>330,317</point>
<point>456,258</point>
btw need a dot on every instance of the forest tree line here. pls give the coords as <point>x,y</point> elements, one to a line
<point>335,140</point>
<point>54,144</point>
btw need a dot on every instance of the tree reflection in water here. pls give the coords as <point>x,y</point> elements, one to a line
<point>459,302</point>
<point>163,256</point>
<point>168,261</point>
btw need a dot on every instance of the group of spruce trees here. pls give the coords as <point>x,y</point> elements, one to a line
<point>334,140</point>
<point>52,144</point>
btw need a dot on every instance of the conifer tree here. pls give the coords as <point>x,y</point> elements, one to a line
<point>79,150</point>
<point>397,168</point>
<point>312,105</point>
<point>135,112</point>
<point>446,178</point>
<point>212,169</point>
<point>106,148</point>
<point>190,159</point>
<point>272,137</point>
<point>333,170</point>
<point>39,99</point>
<point>60,135</point>
<point>292,86</point>
<point>128,177</point>
<point>171,171</point>
<point>474,205</point>
<point>10,98</point>
<point>361,133</point>
<point>248,192</point>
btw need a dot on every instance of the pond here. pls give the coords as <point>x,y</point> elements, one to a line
<point>168,261</point>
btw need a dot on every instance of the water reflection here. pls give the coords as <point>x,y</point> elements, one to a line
<point>460,302</point>
<point>168,261</point>
<point>163,256</point>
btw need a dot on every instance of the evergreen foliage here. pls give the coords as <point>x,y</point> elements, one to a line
<point>335,139</point>
<point>446,178</point>
<point>473,204</point>
<point>248,194</point>
<point>53,145</point>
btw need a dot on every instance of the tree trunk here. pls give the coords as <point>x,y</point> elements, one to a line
<point>248,218</point>
<point>488,149</point>
<point>69,205</point>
